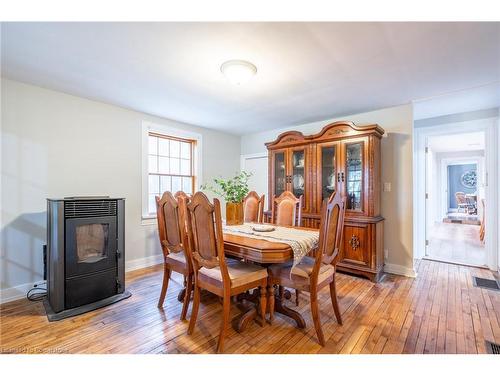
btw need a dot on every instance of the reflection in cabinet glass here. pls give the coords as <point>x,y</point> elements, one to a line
<point>354,175</point>
<point>298,176</point>
<point>280,173</point>
<point>328,172</point>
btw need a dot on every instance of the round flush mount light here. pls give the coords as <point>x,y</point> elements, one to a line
<point>238,71</point>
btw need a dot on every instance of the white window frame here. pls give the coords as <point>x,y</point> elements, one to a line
<point>173,131</point>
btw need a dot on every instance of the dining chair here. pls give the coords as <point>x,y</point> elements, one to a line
<point>213,272</point>
<point>461,201</point>
<point>314,273</point>
<point>482,229</point>
<point>253,208</point>
<point>171,218</point>
<point>287,210</point>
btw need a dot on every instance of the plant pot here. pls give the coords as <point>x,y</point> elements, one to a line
<point>234,213</point>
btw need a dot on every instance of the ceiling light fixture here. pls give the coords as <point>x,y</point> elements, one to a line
<point>238,71</point>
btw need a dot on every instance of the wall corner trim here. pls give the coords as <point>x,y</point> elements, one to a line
<point>400,270</point>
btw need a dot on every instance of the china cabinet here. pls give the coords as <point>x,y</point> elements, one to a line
<point>342,157</point>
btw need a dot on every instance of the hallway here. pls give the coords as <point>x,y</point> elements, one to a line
<point>456,243</point>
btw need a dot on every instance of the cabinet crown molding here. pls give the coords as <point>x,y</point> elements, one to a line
<point>337,129</point>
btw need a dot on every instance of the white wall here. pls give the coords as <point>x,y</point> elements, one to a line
<point>56,145</point>
<point>396,169</point>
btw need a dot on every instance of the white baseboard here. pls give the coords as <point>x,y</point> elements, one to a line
<point>399,270</point>
<point>19,291</point>
<point>136,264</point>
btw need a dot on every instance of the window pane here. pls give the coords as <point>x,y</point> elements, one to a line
<point>153,164</point>
<point>163,165</point>
<point>174,166</point>
<point>165,183</point>
<point>174,149</point>
<point>153,145</point>
<point>163,146</point>
<point>185,150</point>
<point>151,204</point>
<point>185,167</point>
<point>176,184</point>
<point>154,184</point>
<point>186,185</point>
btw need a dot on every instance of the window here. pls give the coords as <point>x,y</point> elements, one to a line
<point>170,166</point>
<point>171,160</point>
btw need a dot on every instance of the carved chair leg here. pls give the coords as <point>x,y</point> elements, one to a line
<point>166,278</point>
<point>187,296</point>
<point>270,301</point>
<point>263,304</point>
<point>194,310</point>
<point>226,307</point>
<point>316,317</point>
<point>335,302</point>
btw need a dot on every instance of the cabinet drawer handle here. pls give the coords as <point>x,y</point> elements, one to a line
<point>354,242</point>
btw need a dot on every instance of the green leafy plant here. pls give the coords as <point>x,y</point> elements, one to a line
<point>233,190</point>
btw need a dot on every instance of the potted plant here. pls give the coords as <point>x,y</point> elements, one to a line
<point>233,190</point>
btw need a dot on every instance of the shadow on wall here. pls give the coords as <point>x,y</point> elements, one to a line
<point>397,204</point>
<point>22,249</point>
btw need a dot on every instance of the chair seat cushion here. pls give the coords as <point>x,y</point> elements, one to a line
<point>303,269</point>
<point>240,273</point>
<point>178,257</point>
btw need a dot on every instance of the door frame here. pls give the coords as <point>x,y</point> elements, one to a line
<point>490,128</point>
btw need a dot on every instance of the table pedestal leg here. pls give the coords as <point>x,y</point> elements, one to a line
<point>279,307</point>
<point>182,293</point>
<point>249,304</point>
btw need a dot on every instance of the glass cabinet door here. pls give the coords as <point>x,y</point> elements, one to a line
<point>354,175</point>
<point>279,173</point>
<point>328,171</point>
<point>298,172</point>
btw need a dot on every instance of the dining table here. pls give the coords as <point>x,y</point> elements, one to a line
<point>264,252</point>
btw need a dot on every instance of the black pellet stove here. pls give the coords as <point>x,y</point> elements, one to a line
<point>85,255</point>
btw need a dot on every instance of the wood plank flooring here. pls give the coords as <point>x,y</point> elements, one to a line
<point>438,312</point>
<point>456,243</point>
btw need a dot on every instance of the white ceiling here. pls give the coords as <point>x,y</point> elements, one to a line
<point>457,142</point>
<point>469,100</point>
<point>306,71</point>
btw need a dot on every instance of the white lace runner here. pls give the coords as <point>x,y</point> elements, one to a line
<point>301,241</point>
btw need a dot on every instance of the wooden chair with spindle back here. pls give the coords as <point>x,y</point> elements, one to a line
<point>213,272</point>
<point>314,273</point>
<point>287,210</point>
<point>171,218</point>
<point>253,208</point>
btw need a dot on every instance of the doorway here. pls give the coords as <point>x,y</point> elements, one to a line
<point>454,195</point>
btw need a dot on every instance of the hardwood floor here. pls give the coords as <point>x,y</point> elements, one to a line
<point>438,312</point>
<point>456,243</point>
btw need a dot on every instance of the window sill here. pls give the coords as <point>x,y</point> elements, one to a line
<point>148,220</point>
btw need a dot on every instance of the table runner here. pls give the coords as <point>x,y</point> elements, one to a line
<point>301,241</point>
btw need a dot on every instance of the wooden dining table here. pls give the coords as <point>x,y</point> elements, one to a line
<point>265,253</point>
